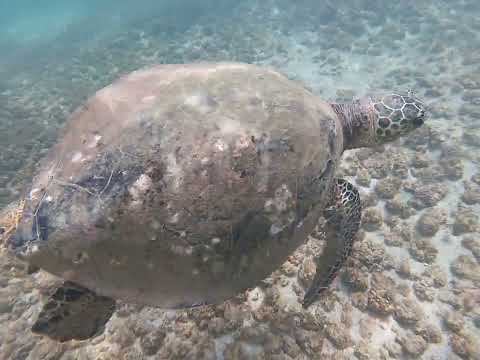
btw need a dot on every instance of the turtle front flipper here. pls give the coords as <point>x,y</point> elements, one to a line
<point>341,227</point>
<point>73,313</point>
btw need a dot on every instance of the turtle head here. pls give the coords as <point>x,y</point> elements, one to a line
<point>374,120</point>
<point>396,115</point>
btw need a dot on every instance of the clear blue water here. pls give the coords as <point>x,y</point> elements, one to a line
<point>59,29</point>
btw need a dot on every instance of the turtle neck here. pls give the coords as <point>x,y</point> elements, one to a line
<point>357,121</point>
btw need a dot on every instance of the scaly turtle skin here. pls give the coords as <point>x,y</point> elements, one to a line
<point>183,185</point>
<point>342,223</point>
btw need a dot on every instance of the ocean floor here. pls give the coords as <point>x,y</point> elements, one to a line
<point>412,287</point>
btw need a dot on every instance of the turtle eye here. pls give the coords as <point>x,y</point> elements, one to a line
<point>419,119</point>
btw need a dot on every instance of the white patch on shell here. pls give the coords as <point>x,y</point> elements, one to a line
<point>174,218</point>
<point>81,258</point>
<point>148,99</point>
<point>280,209</point>
<point>275,229</point>
<point>181,250</point>
<point>220,145</point>
<point>140,186</point>
<point>175,171</point>
<point>33,194</point>
<point>229,126</point>
<point>94,143</point>
<point>199,102</point>
<point>280,202</point>
<point>115,261</point>
<point>155,225</point>
<point>255,298</point>
<point>136,75</point>
<point>215,241</point>
<point>243,142</point>
<point>31,249</point>
<point>77,157</point>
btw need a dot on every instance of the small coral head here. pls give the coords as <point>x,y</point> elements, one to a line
<point>396,114</point>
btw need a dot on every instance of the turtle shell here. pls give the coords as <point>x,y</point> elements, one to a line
<point>182,184</point>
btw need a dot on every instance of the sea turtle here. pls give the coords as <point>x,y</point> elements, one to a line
<point>183,185</point>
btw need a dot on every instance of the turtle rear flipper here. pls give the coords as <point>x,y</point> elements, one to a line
<point>341,227</point>
<point>73,313</point>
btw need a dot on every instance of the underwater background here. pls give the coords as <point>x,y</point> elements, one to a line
<point>412,287</point>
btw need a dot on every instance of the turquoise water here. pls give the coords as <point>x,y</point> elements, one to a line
<point>58,30</point>
<point>412,290</point>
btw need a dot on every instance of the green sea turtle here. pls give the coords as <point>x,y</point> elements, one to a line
<point>183,185</point>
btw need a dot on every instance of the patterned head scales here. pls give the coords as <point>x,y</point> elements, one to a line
<point>397,115</point>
